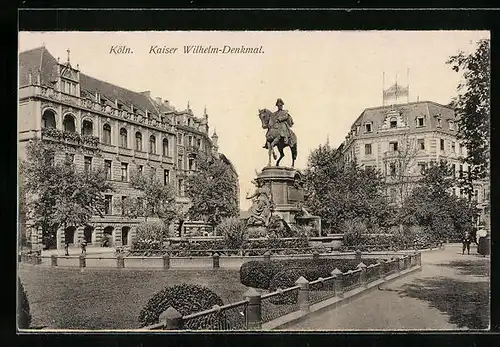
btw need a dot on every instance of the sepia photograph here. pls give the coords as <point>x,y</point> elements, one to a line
<point>253,181</point>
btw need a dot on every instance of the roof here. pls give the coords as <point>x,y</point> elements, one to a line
<point>39,59</point>
<point>228,162</point>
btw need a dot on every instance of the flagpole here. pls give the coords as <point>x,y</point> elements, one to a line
<point>408,85</point>
<point>383,87</point>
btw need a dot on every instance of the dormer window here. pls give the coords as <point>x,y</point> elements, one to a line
<point>439,122</point>
<point>393,123</point>
<point>368,127</point>
<point>420,122</point>
<point>451,125</point>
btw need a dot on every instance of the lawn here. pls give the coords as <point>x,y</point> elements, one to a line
<point>109,298</point>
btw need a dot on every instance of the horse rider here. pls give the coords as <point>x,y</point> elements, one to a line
<point>285,122</point>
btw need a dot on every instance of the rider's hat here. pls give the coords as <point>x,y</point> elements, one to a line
<point>279,102</point>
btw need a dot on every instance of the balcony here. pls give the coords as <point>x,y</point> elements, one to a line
<point>70,138</point>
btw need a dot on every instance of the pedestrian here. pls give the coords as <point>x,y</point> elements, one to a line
<point>466,241</point>
<point>84,247</point>
<point>66,248</point>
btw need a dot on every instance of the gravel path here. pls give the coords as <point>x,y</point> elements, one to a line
<point>399,305</point>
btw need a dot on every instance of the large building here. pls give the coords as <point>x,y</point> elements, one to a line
<point>400,140</point>
<point>104,124</point>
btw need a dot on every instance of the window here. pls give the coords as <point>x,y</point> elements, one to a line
<point>392,169</point>
<point>393,146</point>
<point>69,123</point>
<point>420,122</point>
<point>152,144</point>
<point>451,125</point>
<point>180,187</point>
<point>368,148</point>
<point>439,122</point>
<point>453,146</point>
<point>180,162</point>
<point>198,143</point>
<point>70,158</point>
<point>422,166</point>
<point>166,177</point>
<point>124,206</point>
<point>107,204</point>
<point>106,134</point>
<point>190,140</point>
<point>140,169</point>
<point>441,144</point>
<point>108,165</point>
<point>454,170</point>
<point>123,138</point>
<point>191,163</point>
<point>124,169</point>
<point>138,141</point>
<point>368,127</point>
<point>87,164</point>
<point>393,123</point>
<point>421,144</point>
<point>49,119</point>
<point>460,171</point>
<point>87,127</point>
<point>179,139</point>
<point>165,148</point>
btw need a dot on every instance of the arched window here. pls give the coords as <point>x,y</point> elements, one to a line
<point>69,123</point>
<point>138,141</point>
<point>87,127</point>
<point>106,134</point>
<point>49,119</point>
<point>123,138</point>
<point>165,148</point>
<point>152,144</point>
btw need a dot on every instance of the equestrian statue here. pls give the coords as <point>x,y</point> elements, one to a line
<point>279,133</point>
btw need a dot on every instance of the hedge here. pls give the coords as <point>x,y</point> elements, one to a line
<point>259,274</point>
<point>185,298</point>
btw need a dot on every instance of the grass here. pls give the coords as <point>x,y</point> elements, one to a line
<point>109,299</point>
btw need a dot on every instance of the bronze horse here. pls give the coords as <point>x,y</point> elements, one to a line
<point>275,138</point>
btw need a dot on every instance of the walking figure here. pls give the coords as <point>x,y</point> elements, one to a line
<point>466,241</point>
<point>66,248</point>
<point>84,247</point>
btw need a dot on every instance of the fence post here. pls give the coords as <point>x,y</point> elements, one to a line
<point>267,256</point>
<point>381,269</point>
<point>120,261</point>
<point>419,258</point>
<point>53,260</point>
<point>82,261</point>
<point>254,309</point>
<point>315,255</point>
<point>166,261</point>
<point>362,275</point>
<point>401,263</point>
<point>338,280</point>
<point>358,256</point>
<point>172,318</point>
<point>303,298</point>
<point>215,261</point>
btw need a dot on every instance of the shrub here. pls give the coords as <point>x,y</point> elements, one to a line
<point>353,232</point>
<point>23,310</point>
<point>234,231</point>
<point>284,279</point>
<point>185,298</point>
<point>149,236</point>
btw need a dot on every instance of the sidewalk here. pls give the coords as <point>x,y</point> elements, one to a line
<point>94,250</point>
<point>421,301</point>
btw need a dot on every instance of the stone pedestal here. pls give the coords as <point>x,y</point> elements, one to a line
<point>287,193</point>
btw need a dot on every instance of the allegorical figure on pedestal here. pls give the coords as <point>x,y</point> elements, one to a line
<point>260,211</point>
<point>279,133</point>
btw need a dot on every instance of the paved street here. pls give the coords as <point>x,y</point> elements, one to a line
<point>443,296</point>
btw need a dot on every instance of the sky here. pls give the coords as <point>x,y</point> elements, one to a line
<point>325,78</point>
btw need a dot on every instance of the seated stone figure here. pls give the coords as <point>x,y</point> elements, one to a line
<point>260,211</point>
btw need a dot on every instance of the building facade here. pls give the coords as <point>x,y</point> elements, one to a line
<point>401,140</point>
<point>102,124</point>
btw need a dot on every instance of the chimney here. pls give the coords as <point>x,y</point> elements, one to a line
<point>158,101</point>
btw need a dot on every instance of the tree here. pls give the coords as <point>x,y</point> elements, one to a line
<point>472,106</point>
<point>338,191</point>
<point>213,190</point>
<point>432,205</point>
<point>57,194</point>
<point>154,200</point>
